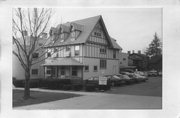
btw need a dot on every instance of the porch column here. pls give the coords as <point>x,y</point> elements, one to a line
<point>82,72</point>
<point>70,72</point>
<point>57,70</point>
<point>44,72</point>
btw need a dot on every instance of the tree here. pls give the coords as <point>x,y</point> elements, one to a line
<point>33,22</point>
<point>154,52</point>
<point>155,47</point>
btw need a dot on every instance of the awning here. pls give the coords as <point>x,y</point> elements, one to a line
<point>62,62</point>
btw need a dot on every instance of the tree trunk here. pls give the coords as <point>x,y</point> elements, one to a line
<point>26,87</point>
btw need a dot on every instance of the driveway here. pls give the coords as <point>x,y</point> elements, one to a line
<point>101,101</point>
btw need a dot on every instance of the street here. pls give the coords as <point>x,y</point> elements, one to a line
<point>146,95</point>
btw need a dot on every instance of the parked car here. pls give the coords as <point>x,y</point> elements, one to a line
<point>129,76</point>
<point>140,78</point>
<point>117,80</point>
<point>152,73</point>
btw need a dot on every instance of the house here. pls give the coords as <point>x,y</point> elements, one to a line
<point>81,49</point>
<point>140,61</point>
<point>37,71</point>
<point>123,60</point>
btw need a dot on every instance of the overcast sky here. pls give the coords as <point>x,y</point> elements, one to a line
<point>133,28</point>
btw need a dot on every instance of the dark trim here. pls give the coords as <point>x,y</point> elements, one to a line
<point>92,42</point>
<point>100,58</point>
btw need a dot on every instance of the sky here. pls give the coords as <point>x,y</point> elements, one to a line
<point>133,28</point>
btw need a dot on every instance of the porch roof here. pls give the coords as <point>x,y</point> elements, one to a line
<point>63,62</point>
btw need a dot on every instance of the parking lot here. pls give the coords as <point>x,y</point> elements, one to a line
<point>152,87</point>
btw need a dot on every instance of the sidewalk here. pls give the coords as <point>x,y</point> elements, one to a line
<point>61,91</point>
<point>92,100</point>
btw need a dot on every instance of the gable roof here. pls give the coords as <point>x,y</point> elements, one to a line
<point>88,25</point>
<point>115,44</point>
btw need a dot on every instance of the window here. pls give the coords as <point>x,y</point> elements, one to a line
<point>102,50</point>
<point>48,71</point>
<point>35,55</point>
<point>114,54</point>
<point>62,71</point>
<point>95,68</point>
<point>76,50</point>
<point>57,54</point>
<point>103,64</point>
<point>86,68</point>
<point>98,34</point>
<point>74,71</point>
<point>124,59</point>
<point>34,71</point>
<point>67,48</point>
<point>48,54</point>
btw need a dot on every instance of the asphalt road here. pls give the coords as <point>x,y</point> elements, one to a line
<point>152,87</point>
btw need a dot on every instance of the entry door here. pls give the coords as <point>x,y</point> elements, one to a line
<point>53,72</point>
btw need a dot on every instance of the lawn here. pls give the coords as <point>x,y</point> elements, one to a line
<point>38,97</point>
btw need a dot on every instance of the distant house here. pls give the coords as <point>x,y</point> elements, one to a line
<point>36,70</point>
<point>123,60</point>
<point>81,49</point>
<point>140,61</point>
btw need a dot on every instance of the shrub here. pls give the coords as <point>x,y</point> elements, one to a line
<point>66,87</point>
<point>77,87</point>
<point>76,84</point>
<point>33,83</point>
<point>55,83</point>
<point>90,87</point>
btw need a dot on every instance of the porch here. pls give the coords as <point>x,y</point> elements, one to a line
<point>65,68</point>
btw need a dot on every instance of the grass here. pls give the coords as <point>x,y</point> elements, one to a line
<point>38,97</point>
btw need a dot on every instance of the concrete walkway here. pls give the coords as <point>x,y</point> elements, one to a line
<point>94,100</point>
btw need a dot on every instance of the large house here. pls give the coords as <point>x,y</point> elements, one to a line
<point>81,49</point>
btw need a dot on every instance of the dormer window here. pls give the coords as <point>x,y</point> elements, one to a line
<point>73,34</point>
<point>77,50</point>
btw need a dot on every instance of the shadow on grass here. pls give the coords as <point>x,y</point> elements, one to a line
<point>38,97</point>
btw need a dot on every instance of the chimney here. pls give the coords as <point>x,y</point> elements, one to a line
<point>139,51</point>
<point>129,52</point>
<point>133,51</point>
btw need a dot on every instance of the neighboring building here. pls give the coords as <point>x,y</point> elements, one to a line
<point>37,69</point>
<point>123,60</point>
<point>124,63</point>
<point>81,49</point>
<point>140,61</point>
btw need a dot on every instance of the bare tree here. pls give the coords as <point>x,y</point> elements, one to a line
<point>33,22</point>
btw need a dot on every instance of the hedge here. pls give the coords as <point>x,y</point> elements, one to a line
<point>33,83</point>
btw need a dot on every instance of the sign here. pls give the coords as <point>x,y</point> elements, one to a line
<point>102,80</point>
